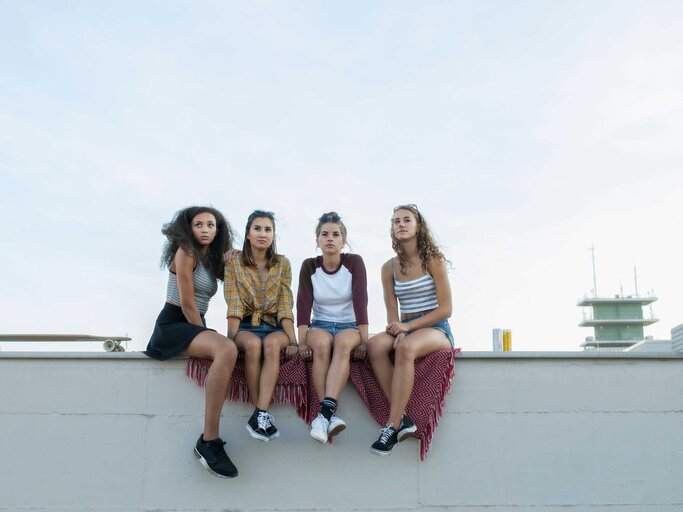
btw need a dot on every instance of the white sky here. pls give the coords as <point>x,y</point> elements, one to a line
<point>525,131</point>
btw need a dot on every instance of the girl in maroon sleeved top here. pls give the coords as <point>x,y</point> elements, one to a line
<point>333,287</point>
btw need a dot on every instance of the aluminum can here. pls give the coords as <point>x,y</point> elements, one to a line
<point>507,340</point>
<point>497,340</point>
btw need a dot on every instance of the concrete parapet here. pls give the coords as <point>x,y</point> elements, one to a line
<point>545,432</point>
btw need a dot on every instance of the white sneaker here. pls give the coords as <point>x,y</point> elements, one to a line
<point>336,425</point>
<point>319,428</point>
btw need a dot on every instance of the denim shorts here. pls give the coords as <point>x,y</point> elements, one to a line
<point>442,326</point>
<point>261,331</point>
<point>333,327</point>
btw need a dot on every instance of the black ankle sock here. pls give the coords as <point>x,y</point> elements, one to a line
<point>327,407</point>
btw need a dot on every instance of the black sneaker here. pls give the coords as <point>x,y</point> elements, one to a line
<point>258,426</point>
<point>212,456</point>
<point>387,440</point>
<point>405,428</point>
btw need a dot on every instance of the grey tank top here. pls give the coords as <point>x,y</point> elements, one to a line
<point>205,287</point>
<point>416,295</point>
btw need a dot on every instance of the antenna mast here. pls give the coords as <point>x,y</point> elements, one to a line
<point>595,282</point>
<point>635,279</point>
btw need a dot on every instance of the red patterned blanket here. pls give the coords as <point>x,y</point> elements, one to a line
<point>433,376</point>
<point>291,387</point>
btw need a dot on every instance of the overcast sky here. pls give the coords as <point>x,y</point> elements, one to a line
<point>525,131</point>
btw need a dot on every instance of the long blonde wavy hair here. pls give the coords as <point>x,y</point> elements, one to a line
<point>426,246</point>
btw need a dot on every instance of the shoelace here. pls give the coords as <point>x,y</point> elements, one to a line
<point>264,420</point>
<point>218,451</point>
<point>385,434</point>
<point>324,421</point>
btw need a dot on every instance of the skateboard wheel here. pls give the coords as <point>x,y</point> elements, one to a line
<point>110,345</point>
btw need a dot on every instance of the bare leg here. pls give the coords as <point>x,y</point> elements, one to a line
<point>223,353</point>
<point>338,374</point>
<point>273,344</point>
<point>379,348</point>
<point>415,345</point>
<point>320,342</point>
<point>251,345</point>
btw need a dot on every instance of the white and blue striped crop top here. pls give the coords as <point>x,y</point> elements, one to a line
<point>205,287</point>
<point>416,295</point>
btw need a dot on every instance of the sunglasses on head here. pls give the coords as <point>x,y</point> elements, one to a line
<point>262,213</point>
<point>406,207</point>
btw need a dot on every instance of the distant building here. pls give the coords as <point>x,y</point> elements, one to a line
<point>677,338</point>
<point>618,322</point>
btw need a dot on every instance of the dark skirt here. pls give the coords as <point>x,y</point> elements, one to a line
<point>172,333</point>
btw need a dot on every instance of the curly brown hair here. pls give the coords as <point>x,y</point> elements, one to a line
<point>178,234</point>
<point>426,246</point>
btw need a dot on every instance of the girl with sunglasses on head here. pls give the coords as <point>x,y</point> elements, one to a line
<point>260,320</point>
<point>196,239</point>
<point>334,287</point>
<point>416,282</point>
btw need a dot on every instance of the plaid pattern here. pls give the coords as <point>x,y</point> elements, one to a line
<point>245,295</point>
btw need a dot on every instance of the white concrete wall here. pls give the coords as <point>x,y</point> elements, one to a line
<point>522,432</point>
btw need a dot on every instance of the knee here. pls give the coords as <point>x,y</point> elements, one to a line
<point>321,351</point>
<point>226,353</point>
<point>343,347</point>
<point>376,351</point>
<point>404,353</point>
<point>271,348</point>
<point>252,349</point>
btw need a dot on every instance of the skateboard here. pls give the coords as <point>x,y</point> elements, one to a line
<point>109,343</point>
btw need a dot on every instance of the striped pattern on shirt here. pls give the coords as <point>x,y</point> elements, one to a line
<point>205,287</point>
<point>416,295</point>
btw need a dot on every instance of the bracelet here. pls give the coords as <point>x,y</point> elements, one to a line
<point>293,344</point>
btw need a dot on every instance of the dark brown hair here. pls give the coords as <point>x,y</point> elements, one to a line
<point>271,254</point>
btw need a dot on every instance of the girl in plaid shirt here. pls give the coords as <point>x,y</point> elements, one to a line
<point>258,294</point>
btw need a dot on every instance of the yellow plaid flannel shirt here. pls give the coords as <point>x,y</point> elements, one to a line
<point>245,294</point>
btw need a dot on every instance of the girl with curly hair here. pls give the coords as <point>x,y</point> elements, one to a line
<point>416,282</point>
<point>259,298</point>
<point>196,239</point>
